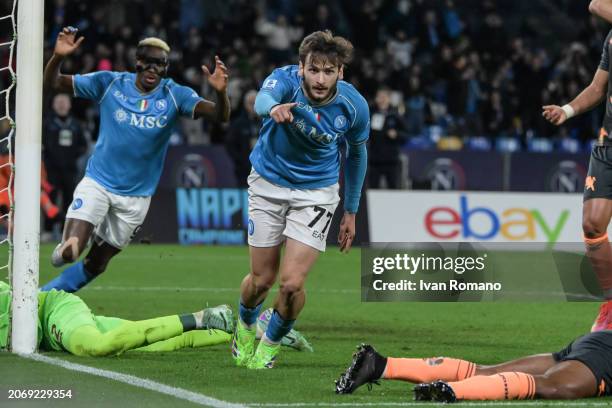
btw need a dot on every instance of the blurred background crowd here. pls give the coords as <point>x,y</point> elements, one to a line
<point>438,74</point>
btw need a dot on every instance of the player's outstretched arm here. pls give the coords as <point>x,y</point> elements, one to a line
<point>219,111</point>
<point>355,171</point>
<point>602,8</point>
<point>66,44</point>
<point>590,97</point>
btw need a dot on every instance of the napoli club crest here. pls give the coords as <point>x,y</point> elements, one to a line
<point>161,104</point>
<point>76,204</point>
<point>340,122</point>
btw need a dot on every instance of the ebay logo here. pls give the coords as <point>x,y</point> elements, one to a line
<point>484,223</point>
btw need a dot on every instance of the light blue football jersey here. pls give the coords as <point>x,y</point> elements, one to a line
<point>134,129</point>
<point>305,154</point>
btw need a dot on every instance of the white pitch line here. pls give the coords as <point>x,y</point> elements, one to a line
<point>530,403</point>
<point>175,392</point>
<point>198,289</point>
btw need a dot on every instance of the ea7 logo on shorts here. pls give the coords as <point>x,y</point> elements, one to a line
<point>77,203</point>
<point>269,84</point>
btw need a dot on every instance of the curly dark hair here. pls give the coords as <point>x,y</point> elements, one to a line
<point>323,46</point>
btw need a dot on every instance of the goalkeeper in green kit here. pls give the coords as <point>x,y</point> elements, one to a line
<point>65,322</point>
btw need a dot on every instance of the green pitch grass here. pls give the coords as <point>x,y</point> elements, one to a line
<point>154,280</point>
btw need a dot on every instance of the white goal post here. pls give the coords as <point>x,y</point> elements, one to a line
<point>26,222</point>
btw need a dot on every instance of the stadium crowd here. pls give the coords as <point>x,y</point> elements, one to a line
<point>465,68</point>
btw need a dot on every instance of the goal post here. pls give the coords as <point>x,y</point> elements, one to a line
<point>26,221</point>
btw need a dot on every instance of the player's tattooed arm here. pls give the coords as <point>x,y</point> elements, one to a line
<point>219,111</point>
<point>590,97</point>
<point>602,8</point>
<point>66,44</point>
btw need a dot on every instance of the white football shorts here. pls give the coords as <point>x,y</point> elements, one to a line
<point>277,212</point>
<point>116,218</point>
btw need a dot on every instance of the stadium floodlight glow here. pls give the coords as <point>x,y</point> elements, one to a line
<point>26,234</point>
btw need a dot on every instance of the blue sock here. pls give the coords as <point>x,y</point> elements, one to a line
<point>278,327</point>
<point>249,315</point>
<point>71,279</point>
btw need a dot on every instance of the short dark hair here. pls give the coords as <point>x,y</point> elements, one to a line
<point>324,45</point>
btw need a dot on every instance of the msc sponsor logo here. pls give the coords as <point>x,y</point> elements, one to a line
<point>141,121</point>
<point>212,215</point>
<point>485,223</point>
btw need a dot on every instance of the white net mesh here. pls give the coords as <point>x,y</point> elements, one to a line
<point>8,39</point>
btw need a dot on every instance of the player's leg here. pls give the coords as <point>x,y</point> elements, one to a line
<point>595,218</point>
<point>596,212</point>
<point>307,224</point>
<point>89,207</point>
<point>111,336</point>
<point>536,365</point>
<point>566,380</point>
<point>295,265</point>
<point>190,339</point>
<point>369,366</point>
<point>294,339</point>
<point>267,208</point>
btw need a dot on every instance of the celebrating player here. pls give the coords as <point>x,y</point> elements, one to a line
<point>597,204</point>
<point>137,114</point>
<point>309,113</point>
<point>581,370</point>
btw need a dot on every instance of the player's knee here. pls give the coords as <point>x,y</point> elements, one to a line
<point>263,282</point>
<point>550,389</point>
<point>290,288</point>
<point>593,229</point>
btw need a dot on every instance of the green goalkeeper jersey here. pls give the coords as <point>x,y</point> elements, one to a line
<point>5,313</point>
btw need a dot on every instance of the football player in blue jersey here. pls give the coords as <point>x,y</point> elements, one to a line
<point>137,114</point>
<point>308,113</point>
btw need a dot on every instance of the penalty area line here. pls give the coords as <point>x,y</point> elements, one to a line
<point>175,392</point>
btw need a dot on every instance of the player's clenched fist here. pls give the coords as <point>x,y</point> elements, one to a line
<point>66,44</point>
<point>554,114</point>
<point>282,113</point>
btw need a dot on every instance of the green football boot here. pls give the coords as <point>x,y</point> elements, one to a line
<point>243,344</point>
<point>264,356</point>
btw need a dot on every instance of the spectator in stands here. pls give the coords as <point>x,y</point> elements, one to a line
<point>242,136</point>
<point>387,135</point>
<point>63,144</point>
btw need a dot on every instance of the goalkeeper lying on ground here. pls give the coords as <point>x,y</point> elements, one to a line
<point>66,323</point>
<point>582,369</point>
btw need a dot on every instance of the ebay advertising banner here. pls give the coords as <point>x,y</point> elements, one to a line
<point>409,216</point>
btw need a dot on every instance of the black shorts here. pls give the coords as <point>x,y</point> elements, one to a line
<point>598,183</point>
<point>595,351</point>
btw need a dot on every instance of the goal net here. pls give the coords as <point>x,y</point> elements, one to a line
<point>21,59</point>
